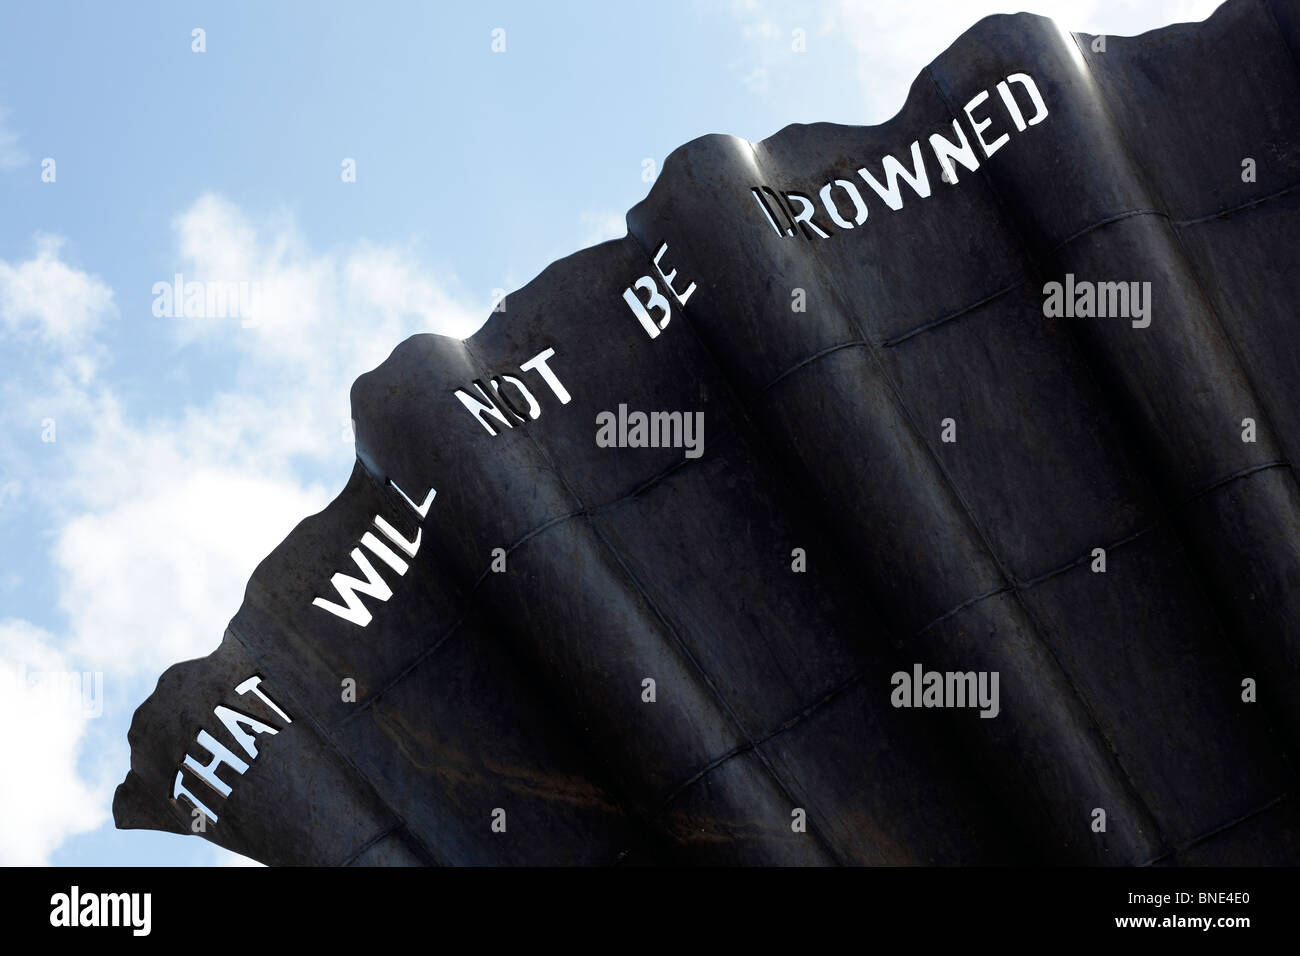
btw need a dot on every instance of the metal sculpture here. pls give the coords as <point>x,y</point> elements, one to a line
<point>920,493</point>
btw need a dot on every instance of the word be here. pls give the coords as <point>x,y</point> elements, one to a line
<point>654,299</point>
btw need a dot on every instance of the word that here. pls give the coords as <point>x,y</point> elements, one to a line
<point>234,721</point>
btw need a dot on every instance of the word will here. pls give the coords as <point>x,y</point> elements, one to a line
<point>353,609</point>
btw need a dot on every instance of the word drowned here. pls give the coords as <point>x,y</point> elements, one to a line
<point>791,213</point>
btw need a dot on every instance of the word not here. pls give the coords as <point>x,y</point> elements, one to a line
<point>497,404</point>
<point>207,300</point>
<point>103,909</point>
<point>848,210</point>
<point>651,430</point>
<point>353,609</point>
<point>232,720</point>
<point>946,689</point>
<point>1086,300</point>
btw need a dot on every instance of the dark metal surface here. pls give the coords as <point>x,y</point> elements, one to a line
<point>521,690</point>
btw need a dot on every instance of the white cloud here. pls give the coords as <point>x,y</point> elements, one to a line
<point>154,578</point>
<point>157,522</point>
<point>600,227</point>
<point>757,80</point>
<point>893,42</point>
<point>45,298</point>
<point>10,491</point>
<point>44,799</point>
<point>178,511</point>
<point>11,154</point>
<point>319,321</point>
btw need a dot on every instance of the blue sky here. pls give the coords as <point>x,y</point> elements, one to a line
<point>148,462</point>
